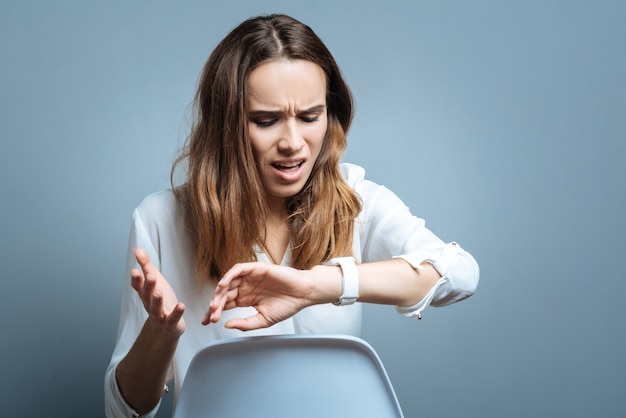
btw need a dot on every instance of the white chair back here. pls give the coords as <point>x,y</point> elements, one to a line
<point>295,376</point>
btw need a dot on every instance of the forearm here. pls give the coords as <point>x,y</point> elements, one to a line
<point>142,374</point>
<point>391,282</point>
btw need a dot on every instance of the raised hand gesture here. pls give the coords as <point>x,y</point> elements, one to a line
<point>159,300</point>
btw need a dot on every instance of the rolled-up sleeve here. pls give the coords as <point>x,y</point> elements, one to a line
<point>387,229</point>
<point>132,318</point>
<point>115,405</point>
<point>459,278</point>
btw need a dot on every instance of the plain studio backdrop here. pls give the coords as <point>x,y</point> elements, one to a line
<point>502,123</point>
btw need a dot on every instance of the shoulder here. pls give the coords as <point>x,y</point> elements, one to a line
<point>159,207</point>
<point>375,197</point>
<point>158,201</point>
<point>352,173</point>
<point>159,222</point>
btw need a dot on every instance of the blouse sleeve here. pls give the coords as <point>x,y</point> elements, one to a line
<point>132,319</point>
<point>389,230</point>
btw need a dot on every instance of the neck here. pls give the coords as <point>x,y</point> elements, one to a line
<point>276,237</point>
<point>277,209</point>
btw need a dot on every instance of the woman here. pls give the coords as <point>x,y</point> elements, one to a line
<point>269,233</point>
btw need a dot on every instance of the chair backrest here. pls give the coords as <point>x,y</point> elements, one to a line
<point>287,376</point>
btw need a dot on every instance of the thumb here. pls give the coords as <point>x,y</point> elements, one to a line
<point>247,324</point>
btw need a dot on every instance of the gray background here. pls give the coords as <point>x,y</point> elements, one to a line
<point>502,123</point>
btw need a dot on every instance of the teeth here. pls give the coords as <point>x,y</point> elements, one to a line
<point>291,165</point>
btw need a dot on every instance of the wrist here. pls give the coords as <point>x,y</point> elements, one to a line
<point>349,280</point>
<point>158,332</point>
<point>327,284</point>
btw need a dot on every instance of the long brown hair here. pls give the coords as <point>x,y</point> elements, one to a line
<point>225,202</point>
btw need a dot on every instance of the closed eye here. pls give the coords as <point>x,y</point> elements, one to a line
<point>265,118</point>
<point>313,114</point>
<point>264,123</point>
<point>310,119</point>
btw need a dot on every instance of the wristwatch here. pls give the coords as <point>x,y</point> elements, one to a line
<point>349,281</point>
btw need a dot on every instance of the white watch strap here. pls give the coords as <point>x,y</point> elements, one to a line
<point>349,281</point>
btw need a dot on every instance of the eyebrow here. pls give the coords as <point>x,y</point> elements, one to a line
<point>276,113</point>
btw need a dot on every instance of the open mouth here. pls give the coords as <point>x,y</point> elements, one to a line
<point>288,166</point>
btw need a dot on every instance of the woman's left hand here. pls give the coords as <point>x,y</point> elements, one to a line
<point>276,292</point>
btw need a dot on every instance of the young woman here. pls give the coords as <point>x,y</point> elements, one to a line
<point>269,233</point>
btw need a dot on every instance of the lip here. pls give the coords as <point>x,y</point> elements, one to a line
<point>289,171</point>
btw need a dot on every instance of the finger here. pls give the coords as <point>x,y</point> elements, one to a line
<point>156,305</point>
<point>218,305</point>
<point>229,299</point>
<point>176,315</point>
<point>144,261</point>
<point>237,271</point>
<point>227,278</point>
<point>212,315</point>
<point>136,280</point>
<point>223,295</point>
<point>248,324</point>
<point>147,290</point>
<point>230,305</point>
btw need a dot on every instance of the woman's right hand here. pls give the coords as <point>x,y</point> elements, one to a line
<point>158,297</point>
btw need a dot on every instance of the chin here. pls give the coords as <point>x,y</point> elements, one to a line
<point>286,192</point>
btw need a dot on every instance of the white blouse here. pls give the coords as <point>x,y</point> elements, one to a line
<point>384,229</point>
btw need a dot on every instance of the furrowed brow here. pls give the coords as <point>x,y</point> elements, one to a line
<point>315,109</point>
<point>265,113</point>
<point>279,113</point>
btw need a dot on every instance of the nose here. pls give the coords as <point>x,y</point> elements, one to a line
<point>291,140</point>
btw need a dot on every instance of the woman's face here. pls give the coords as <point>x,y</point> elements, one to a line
<point>287,123</point>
